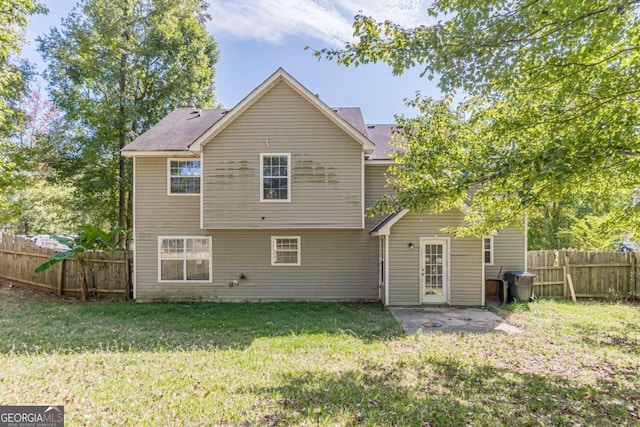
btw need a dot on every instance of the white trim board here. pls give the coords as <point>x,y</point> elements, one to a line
<point>274,251</point>
<point>169,160</point>
<point>158,249</point>
<point>158,154</point>
<point>288,156</point>
<point>446,295</point>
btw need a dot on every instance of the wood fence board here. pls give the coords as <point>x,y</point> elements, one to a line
<point>594,274</point>
<point>107,272</point>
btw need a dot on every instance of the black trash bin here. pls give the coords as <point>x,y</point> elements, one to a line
<point>520,285</point>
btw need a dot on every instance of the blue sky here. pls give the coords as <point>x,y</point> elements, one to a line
<point>255,37</point>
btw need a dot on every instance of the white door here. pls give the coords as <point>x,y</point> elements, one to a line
<point>434,270</point>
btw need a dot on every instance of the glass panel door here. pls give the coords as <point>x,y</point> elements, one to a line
<point>434,270</point>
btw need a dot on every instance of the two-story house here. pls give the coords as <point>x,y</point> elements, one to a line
<point>267,200</point>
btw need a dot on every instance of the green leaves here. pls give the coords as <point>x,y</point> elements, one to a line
<point>88,238</point>
<point>55,259</point>
<point>551,106</point>
<point>115,69</point>
<point>14,16</point>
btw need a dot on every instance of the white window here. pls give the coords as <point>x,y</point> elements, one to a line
<point>184,259</point>
<point>487,250</point>
<point>285,250</point>
<point>275,177</point>
<point>184,177</point>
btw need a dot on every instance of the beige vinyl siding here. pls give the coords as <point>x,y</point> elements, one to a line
<point>404,263</point>
<point>326,168</point>
<point>375,187</point>
<point>158,214</point>
<point>337,265</point>
<point>508,252</point>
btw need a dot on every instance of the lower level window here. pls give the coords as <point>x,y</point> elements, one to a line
<point>285,250</point>
<point>184,259</point>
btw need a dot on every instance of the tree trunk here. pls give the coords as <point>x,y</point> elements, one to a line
<point>122,170</point>
<point>122,136</point>
<point>122,204</point>
<point>84,285</point>
<point>129,216</point>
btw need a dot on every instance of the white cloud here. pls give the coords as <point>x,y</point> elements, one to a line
<point>328,21</point>
<point>403,12</point>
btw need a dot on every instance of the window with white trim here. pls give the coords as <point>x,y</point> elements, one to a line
<point>275,177</point>
<point>184,176</point>
<point>487,250</point>
<point>184,259</point>
<point>285,250</point>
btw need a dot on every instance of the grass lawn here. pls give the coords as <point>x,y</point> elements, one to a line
<point>315,364</point>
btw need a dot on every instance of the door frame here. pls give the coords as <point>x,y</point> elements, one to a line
<point>383,294</point>
<point>444,298</point>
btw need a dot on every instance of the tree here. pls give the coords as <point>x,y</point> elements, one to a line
<point>42,208</point>
<point>33,202</point>
<point>592,233</point>
<point>39,113</point>
<point>14,17</point>
<point>14,77</point>
<point>88,239</point>
<point>115,69</point>
<point>547,105</point>
<point>582,220</point>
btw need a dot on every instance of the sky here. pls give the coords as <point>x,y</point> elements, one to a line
<point>255,37</point>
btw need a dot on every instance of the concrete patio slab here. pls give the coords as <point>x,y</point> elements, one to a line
<point>430,319</point>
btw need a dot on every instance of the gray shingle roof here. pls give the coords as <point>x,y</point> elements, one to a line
<point>353,116</point>
<point>184,125</point>
<point>177,130</point>
<point>381,136</point>
<point>384,221</point>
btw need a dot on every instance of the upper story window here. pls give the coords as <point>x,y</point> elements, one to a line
<point>487,250</point>
<point>184,176</point>
<point>275,177</point>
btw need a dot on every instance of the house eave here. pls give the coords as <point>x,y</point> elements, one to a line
<point>379,162</point>
<point>386,224</point>
<point>172,153</point>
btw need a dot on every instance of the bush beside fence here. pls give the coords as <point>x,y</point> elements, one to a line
<point>108,273</point>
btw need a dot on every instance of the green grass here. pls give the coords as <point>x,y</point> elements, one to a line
<point>36,323</point>
<point>121,363</point>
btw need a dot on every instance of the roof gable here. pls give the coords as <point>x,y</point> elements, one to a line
<point>281,76</point>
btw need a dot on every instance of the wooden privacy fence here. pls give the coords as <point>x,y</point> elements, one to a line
<point>107,272</point>
<point>592,274</point>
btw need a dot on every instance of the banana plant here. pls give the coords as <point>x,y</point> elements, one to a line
<point>88,239</point>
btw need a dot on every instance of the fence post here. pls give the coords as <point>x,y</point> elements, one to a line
<point>127,275</point>
<point>566,273</point>
<point>60,278</point>
<point>633,283</point>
